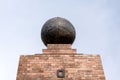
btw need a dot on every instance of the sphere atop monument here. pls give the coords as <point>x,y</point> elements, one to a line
<point>58,31</point>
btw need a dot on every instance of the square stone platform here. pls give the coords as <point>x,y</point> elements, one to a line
<point>57,57</point>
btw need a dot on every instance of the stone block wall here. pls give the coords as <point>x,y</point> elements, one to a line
<point>76,66</point>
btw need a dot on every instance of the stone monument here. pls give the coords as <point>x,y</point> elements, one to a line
<point>59,61</point>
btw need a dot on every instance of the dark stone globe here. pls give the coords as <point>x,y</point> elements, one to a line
<point>58,31</point>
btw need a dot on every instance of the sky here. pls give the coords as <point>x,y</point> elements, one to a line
<point>97,24</point>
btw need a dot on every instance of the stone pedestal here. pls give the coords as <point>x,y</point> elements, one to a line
<point>57,57</point>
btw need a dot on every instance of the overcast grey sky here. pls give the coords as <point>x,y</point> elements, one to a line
<point>97,24</point>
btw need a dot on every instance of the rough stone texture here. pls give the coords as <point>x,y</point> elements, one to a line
<point>44,66</point>
<point>59,49</point>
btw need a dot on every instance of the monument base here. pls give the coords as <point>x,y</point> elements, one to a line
<point>60,62</point>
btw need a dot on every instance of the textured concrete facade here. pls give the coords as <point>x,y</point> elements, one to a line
<point>60,56</point>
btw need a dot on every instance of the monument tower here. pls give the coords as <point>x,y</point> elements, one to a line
<point>59,61</point>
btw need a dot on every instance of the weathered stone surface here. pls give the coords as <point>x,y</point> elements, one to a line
<point>76,66</point>
<point>59,49</point>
